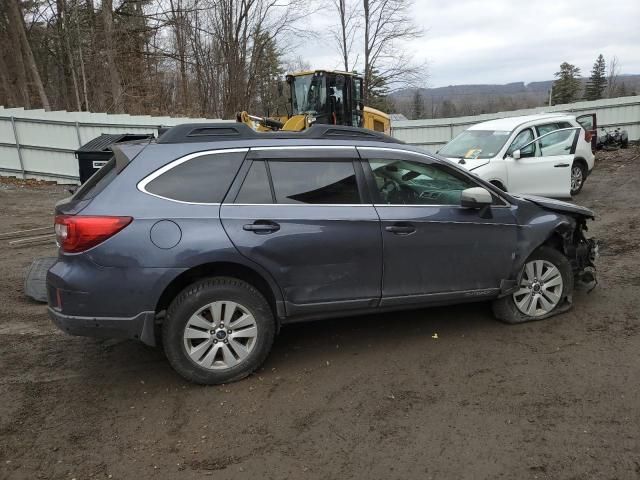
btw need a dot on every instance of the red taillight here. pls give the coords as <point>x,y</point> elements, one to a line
<point>587,135</point>
<point>76,233</point>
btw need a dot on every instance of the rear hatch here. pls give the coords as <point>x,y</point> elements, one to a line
<point>123,154</point>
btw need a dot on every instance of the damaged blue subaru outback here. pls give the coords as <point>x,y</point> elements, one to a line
<point>211,237</point>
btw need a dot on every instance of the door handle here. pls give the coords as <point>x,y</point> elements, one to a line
<point>261,227</point>
<point>401,228</point>
<point>561,165</point>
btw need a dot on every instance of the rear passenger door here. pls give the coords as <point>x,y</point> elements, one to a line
<point>303,214</point>
<point>544,166</point>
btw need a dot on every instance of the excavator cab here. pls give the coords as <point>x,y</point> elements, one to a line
<point>325,97</point>
<point>330,97</point>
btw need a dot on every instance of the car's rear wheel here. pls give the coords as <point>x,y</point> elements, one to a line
<point>218,330</point>
<point>578,176</point>
<point>544,285</point>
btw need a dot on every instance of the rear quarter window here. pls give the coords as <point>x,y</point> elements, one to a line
<point>201,179</point>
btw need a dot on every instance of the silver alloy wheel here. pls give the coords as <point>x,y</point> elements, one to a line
<point>220,335</point>
<point>540,288</point>
<point>576,178</point>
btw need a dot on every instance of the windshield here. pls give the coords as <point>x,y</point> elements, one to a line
<point>309,94</point>
<point>472,144</point>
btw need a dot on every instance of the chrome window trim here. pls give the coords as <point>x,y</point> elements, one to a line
<point>298,204</point>
<point>142,184</point>
<point>305,147</point>
<point>430,205</point>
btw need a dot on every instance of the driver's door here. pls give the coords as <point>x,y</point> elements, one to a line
<point>434,249</point>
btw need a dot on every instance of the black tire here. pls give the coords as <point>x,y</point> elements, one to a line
<point>197,296</point>
<point>505,308</point>
<point>583,176</point>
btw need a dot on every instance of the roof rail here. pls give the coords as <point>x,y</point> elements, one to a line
<point>224,131</point>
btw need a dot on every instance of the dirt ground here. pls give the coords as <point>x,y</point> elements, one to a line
<point>366,397</point>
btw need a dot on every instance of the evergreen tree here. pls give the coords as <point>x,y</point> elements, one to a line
<point>267,72</point>
<point>566,88</point>
<point>597,81</point>
<point>377,91</point>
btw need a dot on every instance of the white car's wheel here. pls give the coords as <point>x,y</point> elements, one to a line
<point>578,176</point>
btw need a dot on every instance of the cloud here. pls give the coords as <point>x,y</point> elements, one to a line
<point>502,41</point>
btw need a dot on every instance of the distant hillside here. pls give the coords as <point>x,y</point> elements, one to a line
<point>459,100</point>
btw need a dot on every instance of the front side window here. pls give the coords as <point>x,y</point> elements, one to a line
<point>314,182</point>
<point>549,127</point>
<point>522,139</point>
<point>472,144</point>
<point>403,182</point>
<point>202,179</point>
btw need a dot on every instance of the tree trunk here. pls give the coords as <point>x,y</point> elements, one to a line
<point>15,17</point>
<point>4,83</point>
<point>20,80</point>
<point>116,87</point>
<point>367,51</point>
<point>342,7</point>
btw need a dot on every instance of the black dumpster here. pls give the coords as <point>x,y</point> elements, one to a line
<point>94,154</point>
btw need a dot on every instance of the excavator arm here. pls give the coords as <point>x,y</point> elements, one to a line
<point>295,123</point>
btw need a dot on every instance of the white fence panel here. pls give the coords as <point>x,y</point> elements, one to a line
<point>46,141</point>
<point>623,112</point>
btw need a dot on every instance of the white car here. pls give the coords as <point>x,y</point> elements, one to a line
<point>546,154</point>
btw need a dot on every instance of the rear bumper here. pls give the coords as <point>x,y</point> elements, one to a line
<point>140,327</point>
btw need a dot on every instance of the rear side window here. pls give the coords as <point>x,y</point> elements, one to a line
<point>203,179</point>
<point>322,182</point>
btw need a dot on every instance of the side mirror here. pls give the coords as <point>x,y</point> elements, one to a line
<point>516,154</point>
<point>476,197</point>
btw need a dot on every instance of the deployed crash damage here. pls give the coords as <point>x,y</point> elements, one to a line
<point>560,227</point>
<point>580,250</point>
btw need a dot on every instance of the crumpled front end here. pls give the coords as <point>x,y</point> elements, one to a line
<point>582,253</point>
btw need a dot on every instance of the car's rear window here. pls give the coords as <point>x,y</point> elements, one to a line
<point>203,179</point>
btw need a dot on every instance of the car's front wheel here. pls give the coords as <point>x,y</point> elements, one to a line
<point>545,285</point>
<point>218,330</point>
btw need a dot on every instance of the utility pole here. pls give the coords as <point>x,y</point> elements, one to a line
<point>550,93</point>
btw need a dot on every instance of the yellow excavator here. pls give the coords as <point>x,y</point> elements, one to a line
<point>325,97</point>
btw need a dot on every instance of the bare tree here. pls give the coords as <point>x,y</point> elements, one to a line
<point>345,36</point>
<point>386,24</point>
<point>612,78</point>
<point>17,21</point>
<point>114,75</point>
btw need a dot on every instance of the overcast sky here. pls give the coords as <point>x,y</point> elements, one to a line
<point>502,41</point>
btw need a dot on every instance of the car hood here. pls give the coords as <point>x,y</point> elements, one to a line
<point>558,205</point>
<point>469,163</point>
